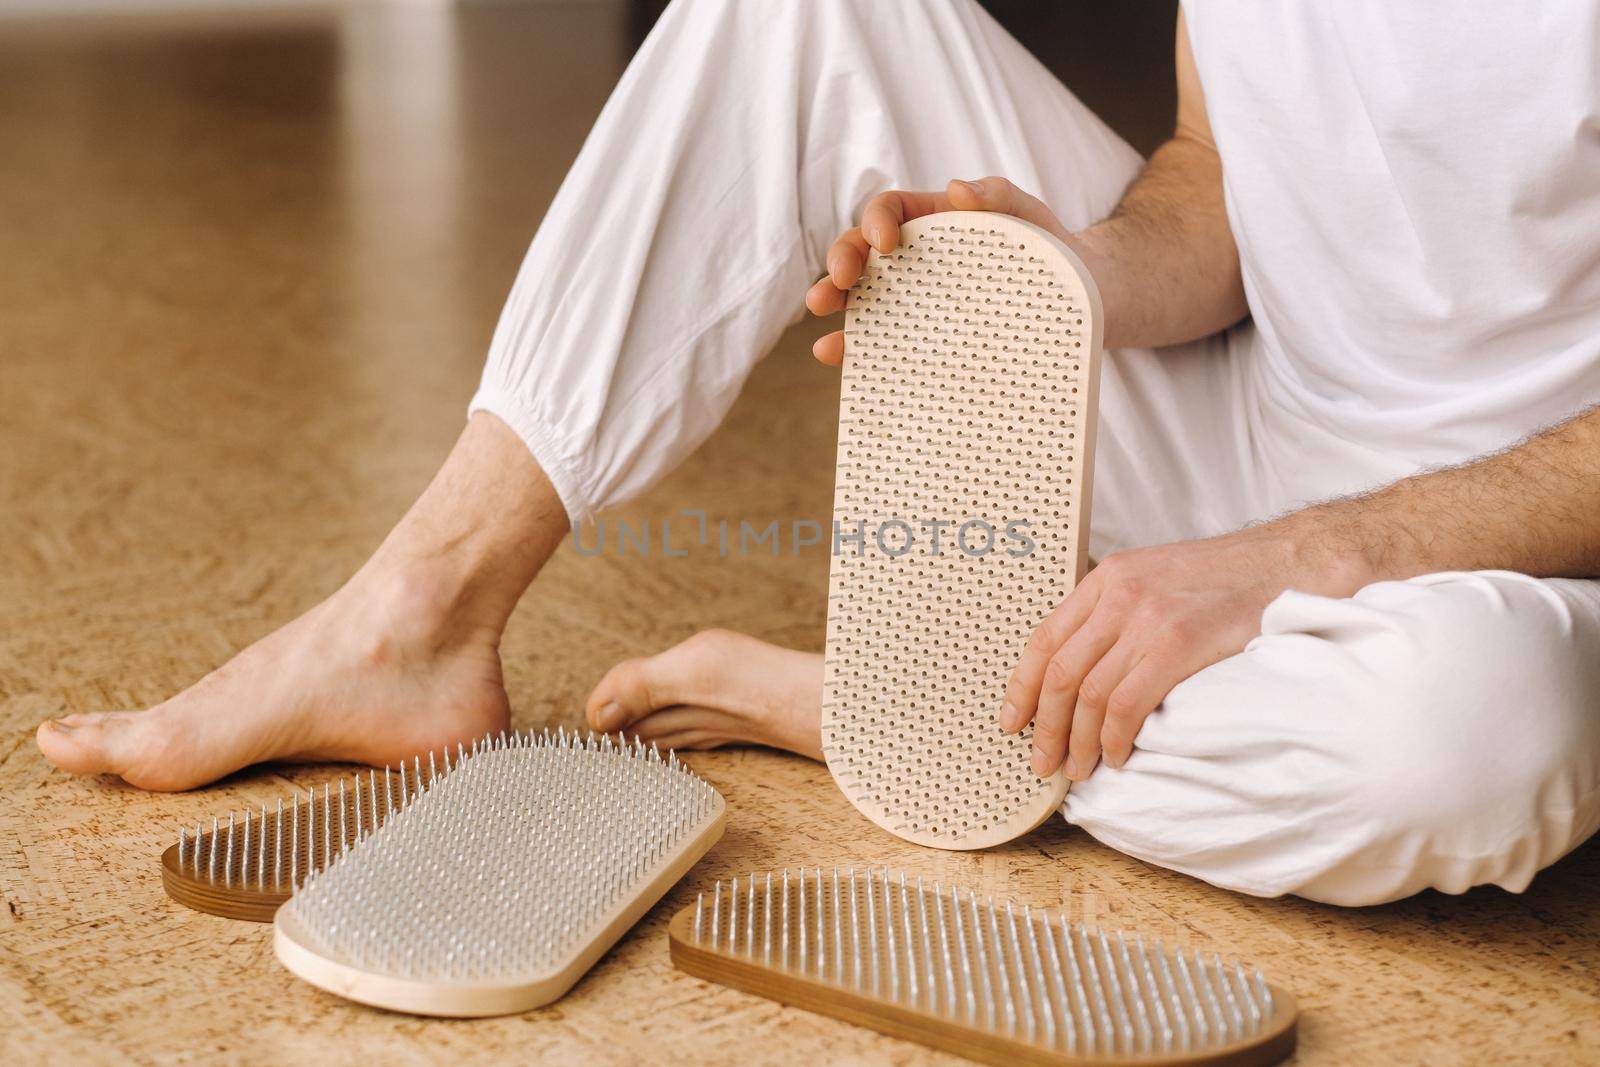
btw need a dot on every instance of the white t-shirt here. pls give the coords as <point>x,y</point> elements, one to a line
<point>1415,192</point>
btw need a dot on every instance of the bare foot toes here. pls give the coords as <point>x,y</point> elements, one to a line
<point>89,743</point>
<point>378,673</point>
<point>716,688</point>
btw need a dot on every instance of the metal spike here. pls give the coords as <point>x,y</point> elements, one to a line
<point>294,846</point>
<point>344,831</point>
<point>911,945</point>
<point>180,847</point>
<point>699,914</point>
<point>750,916</point>
<point>983,958</point>
<point>890,932</point>
<point>838,931</point>
<point>855,931</point>
<point>1265,992</point>
<point>1141,1020</point>
<point>327,827</point>
<point>277,850</point>
<point>311,832</point>
<point>1235,1016</point>
<point>783,945</point>
<point>1112,986</point>
<point>1189,997</point>
<point>927,951</point>
<point>1025,991</point>
<point>1174,995</point>
<point>822,931</point>
<point>1108,1031</point>
<point>1059,988</point>
<point>1218,1020</point>
<point>802,919</point>
<point>1096,1020</point>
<point>1008,1002</point>
<point>716,912</point>
<point>766,920</point>
<point>1152,996</point>
<point>961,951</point>
<point>227,861</point>
<point>733,914</point>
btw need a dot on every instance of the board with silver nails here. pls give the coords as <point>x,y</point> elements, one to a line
<point>502,882</point>
<point>976,977</point>
<point>244,865</point>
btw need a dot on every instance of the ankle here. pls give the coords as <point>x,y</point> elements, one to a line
<point>424,604</point>
<point>477,536</point>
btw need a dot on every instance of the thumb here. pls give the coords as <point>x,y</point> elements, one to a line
<point>999,195</point>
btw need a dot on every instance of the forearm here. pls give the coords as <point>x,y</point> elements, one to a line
<point>1165,261</point>
<point>1533,508</point>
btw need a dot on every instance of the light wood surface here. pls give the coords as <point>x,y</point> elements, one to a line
<point>946,342</point>
<point>247,276</point>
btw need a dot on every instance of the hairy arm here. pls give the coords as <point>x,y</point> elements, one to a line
<point>1533,508</point>
<point>1144,620</point>
<point>1164,261</point>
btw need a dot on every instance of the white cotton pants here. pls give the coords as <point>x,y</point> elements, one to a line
<point>1441,732</point>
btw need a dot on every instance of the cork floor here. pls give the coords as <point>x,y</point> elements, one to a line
<point>247,272</point>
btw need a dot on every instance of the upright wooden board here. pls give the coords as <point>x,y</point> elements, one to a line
<point>966,438</point>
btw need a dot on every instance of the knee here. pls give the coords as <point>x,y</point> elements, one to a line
<point>1438,733</point>
<point>1459,747</point>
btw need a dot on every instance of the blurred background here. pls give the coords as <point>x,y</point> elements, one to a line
<point>251,255</point>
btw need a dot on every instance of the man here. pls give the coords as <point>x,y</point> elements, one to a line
<point>1352,700</point>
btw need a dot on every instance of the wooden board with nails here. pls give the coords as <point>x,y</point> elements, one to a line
<point>972,347</point>
<point>248,863</point>
<point>940,968</point>
<point>502,883</point>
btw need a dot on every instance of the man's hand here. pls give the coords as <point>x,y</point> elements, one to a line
<point>1138,624</point>
<point>1145,620</point>
<point>880,229</point>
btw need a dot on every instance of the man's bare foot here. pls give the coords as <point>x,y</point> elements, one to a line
<point>716,688</point>
<point>403,660</point>
<point>369,676</point>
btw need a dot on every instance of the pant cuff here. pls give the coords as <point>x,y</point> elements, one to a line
<point>568,482</point>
